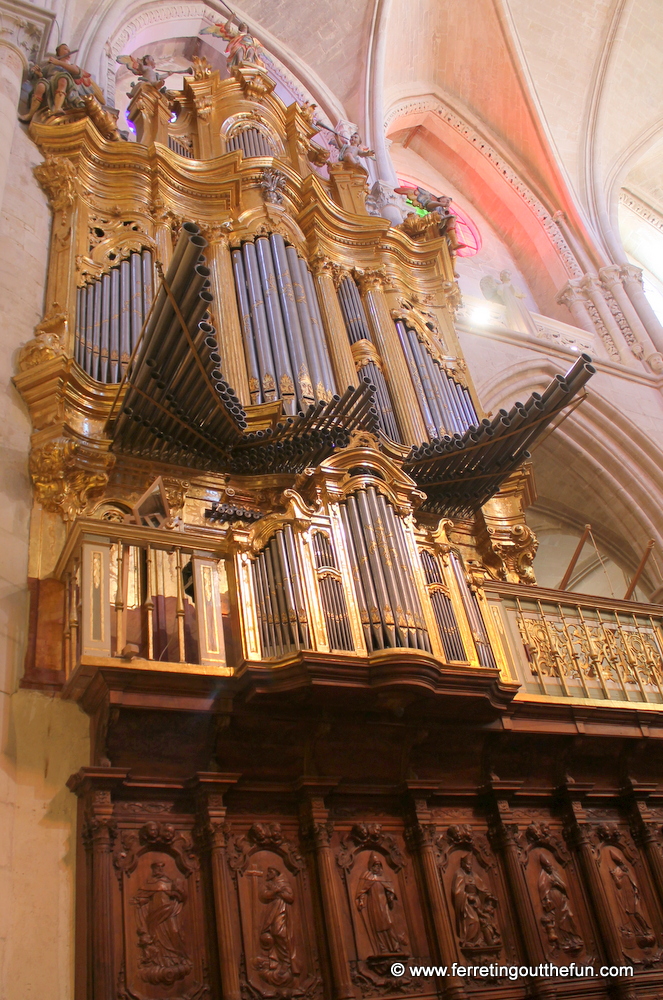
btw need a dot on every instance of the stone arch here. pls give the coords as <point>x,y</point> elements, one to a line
<point>597,467</point>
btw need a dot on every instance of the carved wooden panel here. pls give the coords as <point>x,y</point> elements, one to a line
<point>160,933</point>
<point>279,954</point>
<point>474,889</point>
<point>557,895</point>
<point>630,896</point>
<point>383,907</point>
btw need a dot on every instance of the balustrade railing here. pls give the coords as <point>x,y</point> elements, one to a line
<point>132,591</point>
<point>582,647</point>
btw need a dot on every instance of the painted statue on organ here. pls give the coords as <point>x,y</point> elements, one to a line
<point>351,152</point>
<point>58,84</point>
<point>243,48</point>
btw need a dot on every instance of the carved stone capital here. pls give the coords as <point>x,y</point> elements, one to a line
<point>571,292</point>
<point>630,274</point>
<point>66,475</point>
<point>611,276</point>
<point>217,232</point>
<point>57,177</point>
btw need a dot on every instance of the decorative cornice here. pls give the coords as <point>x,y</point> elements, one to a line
<point>451,118</point>
<point>26,28</point>
<point>641,208</point>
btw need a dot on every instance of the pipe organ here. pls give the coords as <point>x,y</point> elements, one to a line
<point>282,562</point>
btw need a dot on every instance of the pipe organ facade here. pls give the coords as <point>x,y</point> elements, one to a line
<point>336,728</point>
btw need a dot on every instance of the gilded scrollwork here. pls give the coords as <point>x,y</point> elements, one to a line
<point>50,338</point>
<point>57,176</point>
<point>66,476</point>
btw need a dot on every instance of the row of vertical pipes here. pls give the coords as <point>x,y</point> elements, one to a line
<point>445,616</point>
<point>252,142</point>
<point>284,343</point>
<point>110,312</point>
<point>334,606</point>
<point>446,405</point>
<point>356,325</point>
<point>281,609</point>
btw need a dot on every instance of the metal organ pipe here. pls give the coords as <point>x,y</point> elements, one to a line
<point>110,311</point>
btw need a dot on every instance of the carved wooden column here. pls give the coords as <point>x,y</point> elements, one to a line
<point>317,830</point>
<point>504,843</point>
<point>163,234</point>
<point>421,835</point>
<point>338,344</point>
<point>226,313</point>
<point>94,786</point>
<point>646,830</point>
<point>580,836</point>
<point>404,400</point>
<point>57,176</point>
<point>210,789</point>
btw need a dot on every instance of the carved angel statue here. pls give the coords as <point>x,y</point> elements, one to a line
<point>243,47</point>
<point>58,85</point>
<point>518,316</point>
<point>350,150</point>
<point>145,69</point>
<point>440,205</point>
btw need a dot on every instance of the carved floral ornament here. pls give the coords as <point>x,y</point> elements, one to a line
<point>66,475</point>
<point>261,837</point>
<point>155,836</point>
<point>57,177</point>
<point>48,342</point>
<point>369,837</point>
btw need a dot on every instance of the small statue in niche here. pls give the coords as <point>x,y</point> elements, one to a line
<point>518,316</point>
<point>242,49</point>
<point>145,69</point>
<point>59,85</point>
<point>278,963</point>
<point>351,152</point>
<point>158,907</point>
<point>627,894</point>
<point>558,919</point>
<point>375,901</point>
<point>474,906</point>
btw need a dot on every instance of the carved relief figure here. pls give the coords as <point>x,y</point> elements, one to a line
<point>278,963</point>
<point>474,906</point>
<point>158,907</point>
<point>627,894</point>
<point>558,920</point>
<point>59,84</point>
<point>351,151</point>
<point>375,900</point>
<point>243,47</point>
<point>518,316</point>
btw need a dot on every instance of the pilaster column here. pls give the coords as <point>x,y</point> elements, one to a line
<point>591,284</point>
<point>25,29</point>
<point>57,177</point>
<point>421,836</point>
<point>647,831</point>
<point>338,344</point>
<point>503,839</point>
<point>163,234</point>
<point>631,277</point>
<point>210,789</point>
<point>403,397</point>
<point>580,835</point>
<point>573,298</point>
<point>225,311</point>
<point>148,110</point>
<point>317,830</point>
<point>611,278</point>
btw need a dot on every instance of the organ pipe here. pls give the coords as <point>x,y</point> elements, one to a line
<point>110,312</point>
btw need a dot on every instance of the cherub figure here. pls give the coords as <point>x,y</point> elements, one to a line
<point>350,150</point>
<point>59,84</point>
<point>243,47</point>
<point>145,69</point>
<point>441,205</point>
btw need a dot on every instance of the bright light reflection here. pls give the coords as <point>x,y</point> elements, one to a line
<point>481,315</point>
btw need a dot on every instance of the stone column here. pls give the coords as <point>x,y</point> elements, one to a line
<point>421,836</point>
<point>591,284</point>
<point>317,830</point>
<point>210,789</point>
<point>403,397</point>
<point>338,344</point>
<point>25,29</point>
<point>225,311</point>
<point>611,278</point>
<point>573,298</point>
<point>631,277</point>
